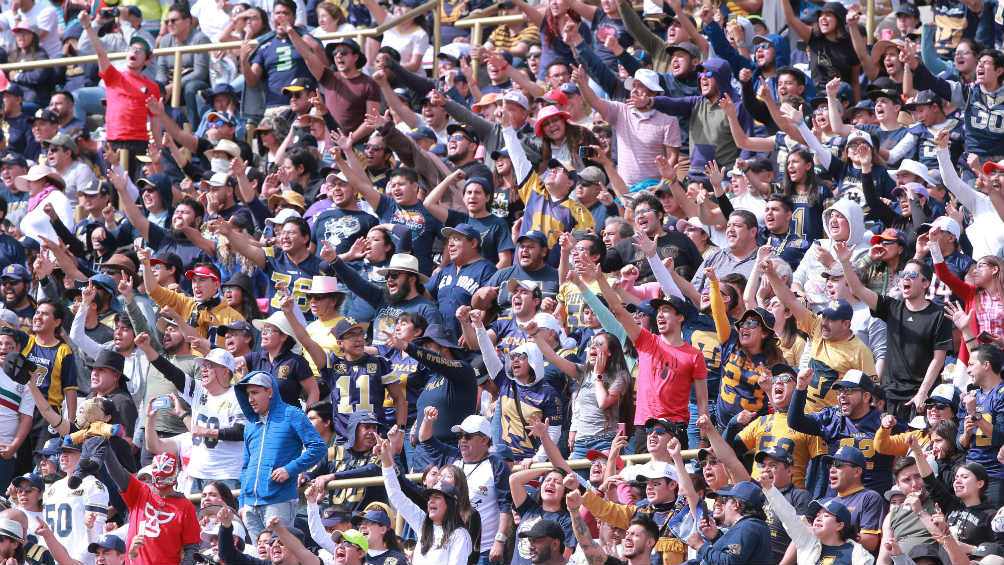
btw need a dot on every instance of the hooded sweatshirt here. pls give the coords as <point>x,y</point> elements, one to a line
<point>283,437</point>
<point>710,136</point>
<point>725,50</point>
<point>810,272</point>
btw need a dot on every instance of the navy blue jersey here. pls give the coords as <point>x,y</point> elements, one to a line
<point>848,182</point>
<point>495,234</point>
<point>748,541</point>
<point>789,246</point>
<point>357,385</point>
<point>403,369</point>
<point>281,63</point>
<point>926,149</point>
<point>450,385</point>
<point>288,368</point>
<point>538,402</point>
<point>983,111</point>
<point>453,287</point>
<point>297,277</point>
<point>807,221</point>
<point>508,333</point>
<point>887,138</point>
<point>738,389</point>
<point>388,557</point>
<point>161,241</point>
<point>867,509</point>
<point>983,449</point>
<point>959,264</point>
<point>837,430</point>
<point>424,227</point>
<point>341,228</point>
<point>529,514</point>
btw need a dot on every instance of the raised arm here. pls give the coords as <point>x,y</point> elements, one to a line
<point>723,450</point>
<point>595,102</point>
<point>625,318</point>
<point>54,419</point>
<point>431,201</point>
<point>843,253</point>
<point>85,22</point>
<point>860,47</point>
<point>833,107</point>
<point>758,144</point>
<point>127,204</point>
<point>566,366</point>
<point>784,293</point>
<point>533,14</point>
<point>187,140</point>
<point>801,29</point>
<point>309,49</point>
<point>239,242</point>
<point>593,552</point>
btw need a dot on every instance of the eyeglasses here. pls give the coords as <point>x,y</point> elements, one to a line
<point>458,137</point>
<point>353,335</point>
<point>533,55</point>
<point>268,331</point>
<point>936,405</point>
<point>705,74</point>
<point>847,391</point>
<point>518,355</point>
<point>27,489</point>
<point>343,52</point>
<point>706,462</point>
<point>467,436</point>
<point>348,544</point>
<point>657,430</point>
<point>170,21</point>
<point>373,147</point>
<point>839,464</point>
<point>785,378</point>
<point>749,323</point>
<point>763,46</point>
<point>10,282</point>
<point>911,274</point>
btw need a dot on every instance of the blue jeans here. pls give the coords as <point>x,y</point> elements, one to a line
<point>6,472</point>
<point>194,105</point>
<point>199,484</point>
<point>87,100</point>
<point>583,446</point>
<point>255,517</point>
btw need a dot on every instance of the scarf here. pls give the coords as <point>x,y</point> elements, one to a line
<point>205,305</point>
<point>35,200</point>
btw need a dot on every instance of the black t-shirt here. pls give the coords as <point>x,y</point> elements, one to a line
<point>911,340</point>
<point>828,59</point>
<point>671,244</point>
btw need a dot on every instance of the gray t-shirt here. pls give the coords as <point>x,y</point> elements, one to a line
<point>588,420</point>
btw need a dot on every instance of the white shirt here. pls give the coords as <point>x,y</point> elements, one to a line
<point>213,458</point>
<point>484,498</point>
<point>36,223</point>
<point>14,401</point>
<point>77,176</point>
<point>65,511</point>
<point>408,44</point>
<point>45,17</point>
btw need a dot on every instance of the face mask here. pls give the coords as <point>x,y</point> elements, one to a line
<point>219,165</point>
<point>164,469</point>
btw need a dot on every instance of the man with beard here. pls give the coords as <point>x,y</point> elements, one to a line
<point>639,539</point>
<point>531,265</point>
<point>851,423</point>
<point>402,292</point>
<point>547,545</point>
<point>187,213</point>
<point>461,149</point>
<point>648,215</point>
<point>495,238</point>
<point>291,264</point>
<point>642,134</point>
<point>62,104</point>
<point>488,484</point>
<point>377,160</point>
<point>351,459</point>
<point>14,282</point>
<point>342,224</point>
<point>204,310</point>
<point>466,271</point>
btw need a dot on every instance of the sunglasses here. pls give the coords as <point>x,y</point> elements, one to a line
<point>467,436</point>
<point>936,405</point>
<point>27,489</point>
<point>706,462</point>
<point>458,137</point>
<point>704,74</point>
<point>911,274</point>
<point>785,378</point>
<point>657,430</point>
<point>893,242</point>
<point>394,275</point>
<point>215,124</point>
<point>372,147</point>
<point>749,323</point>
<point>343,52</point>
<point>519,355</point>
<point>763,46</point>
<point>839,464</point>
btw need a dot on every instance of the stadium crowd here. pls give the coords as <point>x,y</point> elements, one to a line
<point>752,240</point>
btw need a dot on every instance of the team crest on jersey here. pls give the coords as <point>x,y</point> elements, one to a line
<point>734,549</point>
<point>78,492</point>
<point>371,368</point>
<point>283,372</point>
<point>341,368</point>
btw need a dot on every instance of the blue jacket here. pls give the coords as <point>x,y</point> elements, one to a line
<point>283,438</point>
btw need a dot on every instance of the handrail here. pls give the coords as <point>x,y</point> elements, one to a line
<point>340,484</point>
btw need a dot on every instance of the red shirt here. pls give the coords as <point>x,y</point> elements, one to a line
<point>169,524</point>
<point>126,118</point>
<point>665,376</point>
<point>346,99</point>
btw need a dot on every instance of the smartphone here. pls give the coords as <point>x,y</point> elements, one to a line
<point>621,429</point>
<point>586,152</point>
<point>162,403</point>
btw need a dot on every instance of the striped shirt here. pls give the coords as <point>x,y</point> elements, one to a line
<point>503,38</point>
<point>14,401</point>
<point>641,137</point>
<point>60,369</point>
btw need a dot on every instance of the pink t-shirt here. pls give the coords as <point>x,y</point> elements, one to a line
<point>640,139</point>
<point>665,376</point>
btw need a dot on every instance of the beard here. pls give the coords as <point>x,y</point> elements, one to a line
<point>395,297</point>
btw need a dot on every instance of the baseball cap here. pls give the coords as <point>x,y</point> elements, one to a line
<point>837,310</point>
<point>644,306</point>
<point>833,506</point>
<point>553,97</point>
<point>464,129</point>
<point>257,378</point>
<point>465,230</point>
<point>34,478</point>
<point>225,117</point>
<point>855,378</point>
<point>923,98</point>
<point>202,271</point>
<point>658,470</point>
<point>424,132</point>
<point>474,424</point>
<point>674,302</point>
<point>355,537</point>
<point>847,454</point>
<point>918,189</point>
<point>299,84</point>
<point>219,356</point>
<point>51,448</point>
<point>858,135</point>
<point>746,490</point>
<point>775,452</point>
<point>687,47</point>
<point>906,9</point>
<point>765,317</point>
<point>945,223</point>
<point>592,175</point>
<point>333,516</point>
<point>544,529</point>
<point>376,515</point>
<point>594,454</point>
<point>12,158</point>
<point>516,97</point>
<point>15,271</point>
<point>889,234</point>
<point>107,541</point>
<point>536,235</point>
<point>344,326</point>
<point>647,78</point>
<point>946,393</point>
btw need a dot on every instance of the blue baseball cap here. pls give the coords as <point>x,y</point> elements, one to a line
<point>13,158</point>
<point>746,490</point>
<point>847,454</point>
<point>538,236</point>
<point>108,541</point>
<point>15,271</point>
<point>854,378</point>
<point>775,452</point>
<point>376,516</point>
<point>14,90</point>
<point>465,230</point>
<point>68,445</point>
<point>424,132</point>
<point>644,306</point>
<point>52,448</point>
<point>570,88</point>
<point>833,506</point>
<point>34,478</point>
<point>837,310</point>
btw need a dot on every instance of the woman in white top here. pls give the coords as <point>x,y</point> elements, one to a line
<point>830,538</point>
<point>442,539</point>
<point>330,19</point>
<point>408,38</point>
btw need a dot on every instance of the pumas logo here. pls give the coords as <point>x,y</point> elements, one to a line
<point>152,519</point>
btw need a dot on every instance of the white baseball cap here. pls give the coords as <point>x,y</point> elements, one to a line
<point>647,77</point>
<point>219,356</point>
<point>474,424</point>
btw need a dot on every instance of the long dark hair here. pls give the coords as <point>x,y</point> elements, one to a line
<point>451,521</point>
<point>551,30</point>
<point>615,363</point>
<point>225,493</point>
<point>789,188</point>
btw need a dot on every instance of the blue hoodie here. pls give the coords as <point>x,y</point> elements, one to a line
<point>710,135</point>
<point>724,49</point>
<point>283,438</point>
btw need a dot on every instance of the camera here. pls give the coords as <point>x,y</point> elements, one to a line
<point>109,12</point>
